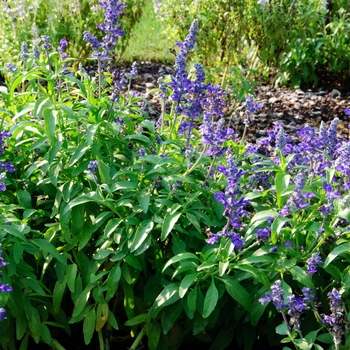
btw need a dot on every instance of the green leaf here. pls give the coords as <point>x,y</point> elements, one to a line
<point>35,285</point>
<point>179,257</point>
<point>50,122</point>
<point>186,283</point>
<point>141,234</point>
<point>73,79</point>
<point>282,329</point>
<point>325,338</point>
<point>343,248</point>
<point>223,265</point>
<point>88,197</point>
<point>168,296</point>
<point>101,315</point>
<point>54,171</point>
<point>276,227</point>
<point>237,292</point>
<point>34,323</point>
<point>17,251</point>
<point>101,254</point>
<point>129,300</point>
<point>24,199</point>
<point>256,273</point>
<point>263,215</point>
<point>82,300</point>
<point>281,183</point>
<point>133,261</point>
<point>136,320</point>
<point>170,316</point>
<point>58,292</point>
<point>144,199</point>
<point>154,336</point>
<point>71,273</point>
<point>46,334</point>
<point>300,275</point>
<point>194,221</point>
<point>171,218</point>
<point>48,248</point>
<point>192,300</point>
<point>40,105</point>
<point>345,214</point>
<point>84,145</point>
<point>302,344</point>
<point>124,185</point>
<point>89,326</point>
<point>113,280</point>
<point>210,300</point>
<point>144,140</point>
<point>112,321</point>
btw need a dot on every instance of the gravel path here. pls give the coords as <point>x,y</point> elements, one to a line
<point>294,108</point>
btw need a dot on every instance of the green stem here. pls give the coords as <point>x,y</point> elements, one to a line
<point>99,72</point>
<point>100,340</point>
<point>244,133</point>
<point>56,345</point>
<point>209,170</point>
<point>197,162</point>
<point>138,339</point>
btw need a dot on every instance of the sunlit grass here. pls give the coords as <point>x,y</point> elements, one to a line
<point>148,42</point>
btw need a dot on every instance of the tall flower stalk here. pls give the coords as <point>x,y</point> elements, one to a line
<point>112,30</point>
<point>4,288</point>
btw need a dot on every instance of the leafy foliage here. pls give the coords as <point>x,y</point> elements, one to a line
<point>288,40</point>
<point>117,227</point>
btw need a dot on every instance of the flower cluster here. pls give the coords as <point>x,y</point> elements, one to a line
<point>111,28</point>
<point>4,288</point>
<point>298,199</point>
<point>336,319</point>
<point>313,263</point>
<point>7,167</point>
<point>233,202</point>
<point>214,135</point>
<point>24,51</point>
<point>294,305</point>
<point>93,165</point>
<point>251,107</point>
<point>46,43</point>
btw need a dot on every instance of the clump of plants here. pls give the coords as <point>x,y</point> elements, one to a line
<point>286,42</point>
<point>28,20</point>
<point>123,231</point>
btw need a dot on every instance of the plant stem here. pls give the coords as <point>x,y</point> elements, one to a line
<point>209,170</point>
<point>56,345</point>
<point>100,340</point>
<point>197,162</point>
<point>99,72</point>
<point>138,339</point>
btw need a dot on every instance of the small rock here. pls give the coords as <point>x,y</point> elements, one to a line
<point>335,93</point>
<point>149,86</point>
<point>273,100</point>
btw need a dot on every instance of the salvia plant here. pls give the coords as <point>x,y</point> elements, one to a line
<point>121,230</point>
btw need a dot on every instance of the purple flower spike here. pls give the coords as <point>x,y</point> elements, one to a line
<point>263,234</point>
<point>347,111</point>
<point>93,165</point>
<point>336,319</point>
<point>46,42</point>
<point>313,263</point>
<point>4,288</point>
<point>276,296</point>
<point>296,307</point>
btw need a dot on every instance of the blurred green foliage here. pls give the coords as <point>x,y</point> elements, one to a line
<point>286,40</point>
<point>27,20</point>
